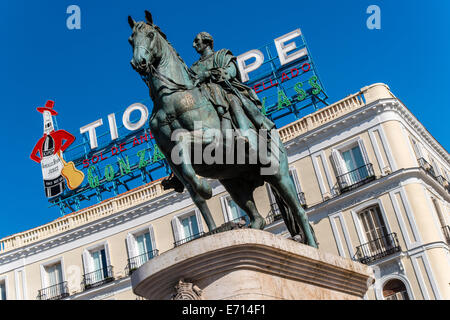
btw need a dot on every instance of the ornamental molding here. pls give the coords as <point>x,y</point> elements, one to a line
<point>373,190</point>
<point>91,228</point>
<point>149,208</point>
<point>187,291</point>
<point>372,110</point>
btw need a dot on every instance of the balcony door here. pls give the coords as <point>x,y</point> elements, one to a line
<point>374,229</point>
<point>2,290</point>
<point>54,274</point>
<point>354,165</point>
<point>190,226</point>
<point>54,281</point>
<point>100,266</point>
<point>144,247</point>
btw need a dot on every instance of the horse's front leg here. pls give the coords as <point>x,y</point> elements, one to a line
<point>198,200</point>
<point>187,141</point>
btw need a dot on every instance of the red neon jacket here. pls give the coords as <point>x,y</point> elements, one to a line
<point>58,136</point>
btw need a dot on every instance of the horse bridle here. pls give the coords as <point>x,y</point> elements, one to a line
<point>163,78</point>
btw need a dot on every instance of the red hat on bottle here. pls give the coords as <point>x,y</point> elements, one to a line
<point>48,107</point>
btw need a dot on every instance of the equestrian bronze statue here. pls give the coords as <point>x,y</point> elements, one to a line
<point>192,107</point>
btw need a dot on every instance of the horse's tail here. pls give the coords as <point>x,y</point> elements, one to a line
<point>292,225</point>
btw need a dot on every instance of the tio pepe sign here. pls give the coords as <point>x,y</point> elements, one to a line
<point>286,52</point>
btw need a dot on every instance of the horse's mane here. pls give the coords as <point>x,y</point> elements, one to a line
<point>162,34</point>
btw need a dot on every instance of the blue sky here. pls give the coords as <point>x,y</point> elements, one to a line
<point>87,71</point>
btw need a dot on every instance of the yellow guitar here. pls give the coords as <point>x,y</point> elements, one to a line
<point>74,177</point>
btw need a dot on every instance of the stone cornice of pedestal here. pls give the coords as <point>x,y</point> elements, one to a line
<point>254,250</point>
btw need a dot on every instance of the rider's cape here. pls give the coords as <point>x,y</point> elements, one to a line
<point>251,104</point>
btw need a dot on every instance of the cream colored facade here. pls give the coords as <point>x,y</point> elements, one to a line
<point>392,212</point>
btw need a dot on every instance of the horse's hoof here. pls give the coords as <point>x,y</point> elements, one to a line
<point>258,223</point>
<point>204,190</point>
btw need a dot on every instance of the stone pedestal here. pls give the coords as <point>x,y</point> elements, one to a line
<point>250,264</point>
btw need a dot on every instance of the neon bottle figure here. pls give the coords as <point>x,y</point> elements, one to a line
<point>49,146</point>
<point>51,164</point>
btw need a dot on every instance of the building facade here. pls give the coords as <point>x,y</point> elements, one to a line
<point>373,180</point>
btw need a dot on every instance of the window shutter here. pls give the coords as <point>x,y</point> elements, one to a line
<point>175,230</point>
<point>271,196</point>
<point>131,246</point>
<point>87,261</point>
<point>199,221</point>
<point>108,259</point>
<point>223,204</point>
<point>420,150</point>
<point>152,237</point>
<point>363,151</point>
<point>437,170</point>
<point>293,172</point>
<point>416,148</point>
<point>337,161</point>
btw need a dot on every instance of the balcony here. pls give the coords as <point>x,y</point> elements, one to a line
<point>136,262</point>
<point>430,170</point>
<point>377,249</point>
<point>355,178</point>
<point>273,216</point>
<point>427,167</point>
<point>188,239</point>
<point>301,197</point>
<point>55,292</point>
<point>446,231</point>
<point>98,277</point>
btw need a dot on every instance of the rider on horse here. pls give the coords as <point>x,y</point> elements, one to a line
<point>237,104</point>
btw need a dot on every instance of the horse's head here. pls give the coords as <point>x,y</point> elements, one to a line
<point>145,43</point>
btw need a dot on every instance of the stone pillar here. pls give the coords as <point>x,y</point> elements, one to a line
<point>250,264</point>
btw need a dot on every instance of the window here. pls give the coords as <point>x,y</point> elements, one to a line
<point>2,290</point>
<point>378,242</point>
<point>298,190</point>
<point>187,227</point>
<point>352,165</point>
<point>141,247</point>
<point>53,284</point>
<point>232,210</point>
<point>417,148</point>
<point>395,290</point>
<point>98,269</point>
<point>373,223</point>
<point>190,226</point>
<point>53,274</point>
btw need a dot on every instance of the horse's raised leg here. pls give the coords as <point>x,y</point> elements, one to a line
<point>242,193</point>
<point>200,186</point>
<point>203,207</point>
<point>197,198</point>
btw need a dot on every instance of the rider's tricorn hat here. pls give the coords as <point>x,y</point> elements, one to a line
<point>48,107</point>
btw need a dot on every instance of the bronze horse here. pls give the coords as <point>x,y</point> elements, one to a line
<point>178,103</point>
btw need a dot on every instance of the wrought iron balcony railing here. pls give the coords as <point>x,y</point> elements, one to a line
<point>301,197</point>
<point>188,239</point>
<point>430,170</point>
<point>377,249</point>
<point>137,261</point>
<point>355,178</point>
<point>98,277</point>
<point>446,231</point>
<point>427,167</point>
<point>55,292</point>
<point>273,216</point>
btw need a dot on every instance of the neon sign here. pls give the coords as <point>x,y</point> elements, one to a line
<point>119,153</point>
